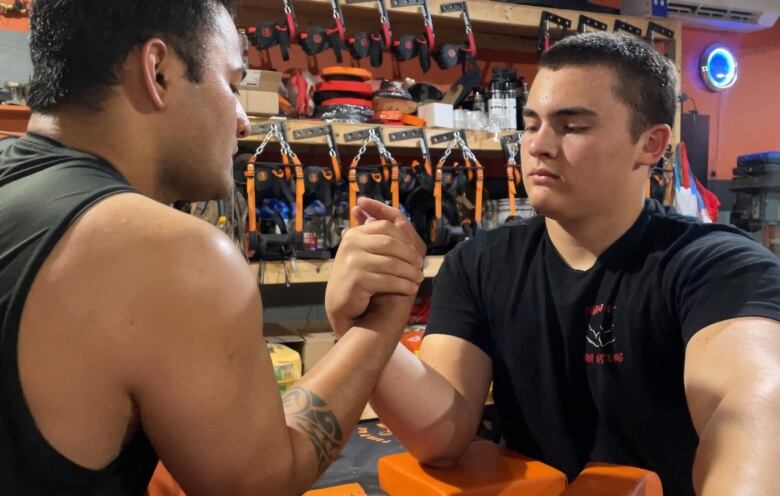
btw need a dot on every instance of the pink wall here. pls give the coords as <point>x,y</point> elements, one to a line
<point>746,118</point>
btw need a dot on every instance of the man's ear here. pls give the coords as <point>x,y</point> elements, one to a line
<point>652,145</point>
<point>156,71</point>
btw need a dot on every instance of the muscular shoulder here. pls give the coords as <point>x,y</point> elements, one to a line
<point>142,240</point>
<point>140,275</point>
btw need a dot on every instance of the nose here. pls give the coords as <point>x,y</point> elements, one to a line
<point>242,122</point>
<point>543,143</point>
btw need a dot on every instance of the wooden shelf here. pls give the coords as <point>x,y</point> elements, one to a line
<point>14,118</point>
<point>477,140</point>
<point>314,271</point>
<point>497,25</point>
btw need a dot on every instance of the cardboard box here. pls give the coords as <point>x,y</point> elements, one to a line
<point>437,114</point>
<point>259,92</point>
<point>261,102</point>
<point>262,80</point>
<point>317,336</point>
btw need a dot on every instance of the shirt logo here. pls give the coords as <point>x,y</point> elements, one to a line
<point>601,338</point>
<point>600,335</point>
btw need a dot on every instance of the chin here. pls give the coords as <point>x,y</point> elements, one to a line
<point>546,206</point>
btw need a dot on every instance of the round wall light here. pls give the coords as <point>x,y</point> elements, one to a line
<point>718,68</point>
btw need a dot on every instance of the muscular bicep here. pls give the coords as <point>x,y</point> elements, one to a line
<point>203,379</point>
<point>465,366</point>
<point>733,355</point>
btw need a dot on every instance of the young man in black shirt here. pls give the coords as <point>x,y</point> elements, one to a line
<point>613,330</point>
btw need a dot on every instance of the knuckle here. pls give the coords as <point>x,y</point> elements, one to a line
<point>385,225</point>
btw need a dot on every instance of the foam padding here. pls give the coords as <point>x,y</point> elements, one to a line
<point>602,479</point>
<point>485,469</point>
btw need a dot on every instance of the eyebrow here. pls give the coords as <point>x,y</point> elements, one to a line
<point>563,112</point>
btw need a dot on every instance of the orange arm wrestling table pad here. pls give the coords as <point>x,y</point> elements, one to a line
<point>485,469</point>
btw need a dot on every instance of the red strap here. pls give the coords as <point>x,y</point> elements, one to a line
<point>291,26</point>
<point>348,86</point>
<point>347,101</point>
<point>302,90</point>
<point>341,30</point>
<point>472,45</point>
<point>430,36</point>
<point>388,35</point>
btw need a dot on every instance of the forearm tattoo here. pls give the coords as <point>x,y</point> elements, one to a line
<point>310,413</point>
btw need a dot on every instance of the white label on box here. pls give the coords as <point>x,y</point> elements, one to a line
<point>252,78</point>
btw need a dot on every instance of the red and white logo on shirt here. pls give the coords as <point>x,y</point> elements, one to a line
<point>600,335</point>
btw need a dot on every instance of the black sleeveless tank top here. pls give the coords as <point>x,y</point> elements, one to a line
<point>44,187</point>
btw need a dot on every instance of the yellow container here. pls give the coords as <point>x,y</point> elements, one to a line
<point>287,365</point>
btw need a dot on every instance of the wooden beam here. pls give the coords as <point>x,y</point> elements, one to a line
<point>477,140</point>
<point>314,271</point>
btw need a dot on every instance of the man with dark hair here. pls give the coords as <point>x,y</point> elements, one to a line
<point>129,330</point>
<point>613,330</point>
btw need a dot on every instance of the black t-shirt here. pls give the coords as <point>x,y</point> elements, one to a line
<point>588,365</point>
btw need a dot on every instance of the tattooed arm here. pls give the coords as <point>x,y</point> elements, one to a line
<point>324,406</point>
<point>182,342</point>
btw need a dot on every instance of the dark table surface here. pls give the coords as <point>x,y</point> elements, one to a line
<point>370,441</point>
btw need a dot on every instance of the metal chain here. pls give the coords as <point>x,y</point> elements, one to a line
<point>464,148</point>
<point>271,132</point>
<point>383,149</point>
<point>286,148</point>
<point>275,132</point>
<point>447,152</point>
<point>362,150</point>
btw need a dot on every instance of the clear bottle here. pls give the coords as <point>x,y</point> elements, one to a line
<point>479,102</point>
<point>496,104</point>
<point>510,102</point>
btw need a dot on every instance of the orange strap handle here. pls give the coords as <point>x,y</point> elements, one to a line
<point>437,189</point>
<point>385,170</point>
<point>394,187</point>
<point>286,162</point>
<point>334,164</point>
<point>353,192</point>
<point>299,187</point>
<point>250,194</point>
<point>510,175</point>
<point>480,182</point>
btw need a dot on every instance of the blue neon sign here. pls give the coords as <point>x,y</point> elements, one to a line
<point>719,68</point>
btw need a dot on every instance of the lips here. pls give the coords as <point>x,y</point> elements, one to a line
<point>542,172</point>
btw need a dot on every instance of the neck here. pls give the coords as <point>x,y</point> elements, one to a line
<point>582,240</point>
<point>110,137</point>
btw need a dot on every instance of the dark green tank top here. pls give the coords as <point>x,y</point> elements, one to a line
<point>44,187</point>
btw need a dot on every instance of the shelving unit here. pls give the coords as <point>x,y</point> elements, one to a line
<point>497,25</point>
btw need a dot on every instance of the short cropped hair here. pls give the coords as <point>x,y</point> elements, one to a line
<point>78,45</point>
<point>645,80</point>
